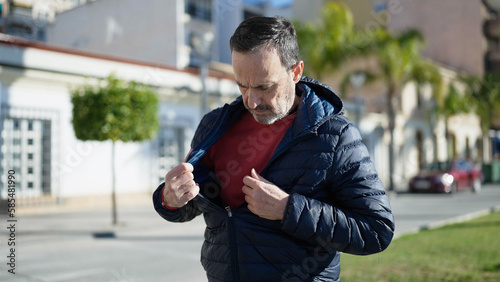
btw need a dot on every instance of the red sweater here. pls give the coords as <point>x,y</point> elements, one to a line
<point>246,145</point>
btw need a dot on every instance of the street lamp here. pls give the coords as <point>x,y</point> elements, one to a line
<point>357,80</point>
<point>202,45</point>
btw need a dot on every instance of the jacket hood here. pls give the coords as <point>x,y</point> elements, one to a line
<point>324,91</point>
<point>318,104</point>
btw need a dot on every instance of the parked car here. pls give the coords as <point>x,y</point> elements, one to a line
<point>448,177</point>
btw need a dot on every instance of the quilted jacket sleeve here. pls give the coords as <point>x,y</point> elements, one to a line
<point>358,219</point>
<point>189,211</point>
<point>186,213</point>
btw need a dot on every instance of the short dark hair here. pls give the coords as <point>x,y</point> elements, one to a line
<point>256,32</point>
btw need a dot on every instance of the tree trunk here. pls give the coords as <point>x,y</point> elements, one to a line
<point>433,122</point>
<point>449,144</point>
<point>113,184</point>
<point>392,124</point>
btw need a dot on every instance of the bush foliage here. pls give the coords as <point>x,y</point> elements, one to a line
<point>115,110</point>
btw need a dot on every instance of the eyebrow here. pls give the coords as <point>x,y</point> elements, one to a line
<point>240,85</point>
<point>260,86</point>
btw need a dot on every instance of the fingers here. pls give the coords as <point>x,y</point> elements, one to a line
<point>263,197</point>
<point>255,175</point>
<point>180,186</point>
<point>187,195</point>
<point>246,189</point>
<point>254,179</point>
<point>179,170</point>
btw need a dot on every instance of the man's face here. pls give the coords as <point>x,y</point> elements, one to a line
<point>267,87</point>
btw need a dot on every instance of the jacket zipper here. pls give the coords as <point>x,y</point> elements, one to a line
<point>232,244</point>
<point>200,150</point>
<point>232,237</point>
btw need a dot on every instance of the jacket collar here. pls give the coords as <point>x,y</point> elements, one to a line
<point>318,104</point>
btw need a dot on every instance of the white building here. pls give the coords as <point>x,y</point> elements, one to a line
<point>38,141</point>
<point>158,31</point>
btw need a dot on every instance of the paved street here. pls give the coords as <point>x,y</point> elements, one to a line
<point>414,212</point>
<point>83,246</point>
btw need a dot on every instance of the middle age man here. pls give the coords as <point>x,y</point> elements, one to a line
<point>280,175</point>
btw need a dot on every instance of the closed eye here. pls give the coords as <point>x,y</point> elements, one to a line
<point>241,85</point>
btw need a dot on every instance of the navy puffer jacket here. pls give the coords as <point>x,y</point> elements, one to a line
<point>337,202</point>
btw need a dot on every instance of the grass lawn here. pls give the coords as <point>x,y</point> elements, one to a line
<point>468,251</point>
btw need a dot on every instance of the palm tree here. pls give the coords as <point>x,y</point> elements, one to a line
<point>400,62</point>
<point>454,103</point>
<point>327,45</point>
<point>426,72</point>
<point>484,95</point>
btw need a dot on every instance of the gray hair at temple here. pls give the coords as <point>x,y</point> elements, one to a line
<point>256,32</point>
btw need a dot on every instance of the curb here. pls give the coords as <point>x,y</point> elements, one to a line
<point>453,220</point>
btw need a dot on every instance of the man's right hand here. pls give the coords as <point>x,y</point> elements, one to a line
<point>180,187</point>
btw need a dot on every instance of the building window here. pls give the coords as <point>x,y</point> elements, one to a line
<point>15,124</point>
<point>199,9</point>
<point>26,148</point>
<point>41,35</point>
<point>21,29</point>
<point>170,150</point>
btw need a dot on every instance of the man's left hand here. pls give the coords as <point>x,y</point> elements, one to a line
<point>263,197</point>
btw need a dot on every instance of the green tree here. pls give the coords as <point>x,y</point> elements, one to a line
<point>326,45</point>
<point>114,110</point>
<point>484,94</point>
<point>453,103</point>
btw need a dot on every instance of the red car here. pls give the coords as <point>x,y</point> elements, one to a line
<point>448,177</point>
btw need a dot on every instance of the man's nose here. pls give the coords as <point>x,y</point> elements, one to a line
<point>254,99</point>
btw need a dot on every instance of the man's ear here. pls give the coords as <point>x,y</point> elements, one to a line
<point>297,70</point>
